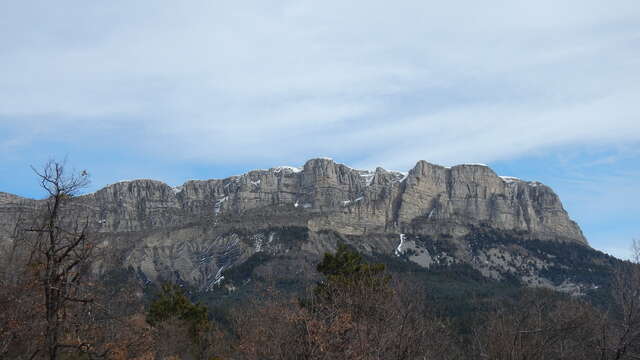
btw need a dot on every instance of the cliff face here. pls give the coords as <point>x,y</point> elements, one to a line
<point>429,199</point>
<point>203,227</point>
<point>12,210</point>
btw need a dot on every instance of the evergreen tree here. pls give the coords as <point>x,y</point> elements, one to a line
<point>347,267</point>
<point>173,304</point>
<point>351,284</point>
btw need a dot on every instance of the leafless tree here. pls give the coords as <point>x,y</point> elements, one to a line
<point>540,325</point>
<point>362,321</point>
<point>620,337</point>
<point>61,252</point>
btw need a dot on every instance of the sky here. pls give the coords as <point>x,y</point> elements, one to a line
<point>175,90</point>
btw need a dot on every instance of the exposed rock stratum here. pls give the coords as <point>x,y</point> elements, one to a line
<point>431,215</point>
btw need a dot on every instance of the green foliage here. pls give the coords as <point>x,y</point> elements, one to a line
<point>347,274</point>
<point>347,267</point>
<point>173,304</point>
<point>344,262</point>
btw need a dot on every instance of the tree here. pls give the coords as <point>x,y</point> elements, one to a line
<point>351,283</point>
<point>540,324</point>
<point>357,312</point>
<point>364,313</point>
<point>61,253</point>
<point>182,327</point>
<point>173,304</point>
<point>620,336</point>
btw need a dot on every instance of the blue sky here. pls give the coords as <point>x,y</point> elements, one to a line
<point>542,90</point>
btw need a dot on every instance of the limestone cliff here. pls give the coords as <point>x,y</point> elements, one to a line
<point>197,230</point>
<point>429,199</point>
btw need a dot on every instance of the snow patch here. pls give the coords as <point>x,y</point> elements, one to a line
<point>177,189</point>
<point>291,169</point>
<point>259,241</point>
<point>204,260</point>
<point>222,200</point>
<point>349,202</point>
<point>510,179</point>
<point>218,206</point>
<point>400,175</point>
<point>399,251</point>
<point>367,176</point>
<point>219,277</point>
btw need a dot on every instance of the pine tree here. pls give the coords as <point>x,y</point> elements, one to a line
<point>351,284</point>
<point>173,304</point>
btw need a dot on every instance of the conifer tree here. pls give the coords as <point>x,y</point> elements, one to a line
<point>173,304</point>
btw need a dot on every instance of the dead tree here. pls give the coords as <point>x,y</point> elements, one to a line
<point>61,254</point>
<point>620,338</point>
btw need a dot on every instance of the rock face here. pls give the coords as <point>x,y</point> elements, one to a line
<point>430,198</point>
<point>203,227</point>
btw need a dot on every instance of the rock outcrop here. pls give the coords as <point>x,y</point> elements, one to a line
<point>205,226</point>
<point>429,199</point>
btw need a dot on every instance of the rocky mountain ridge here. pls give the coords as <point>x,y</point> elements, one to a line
<point>200,229</point>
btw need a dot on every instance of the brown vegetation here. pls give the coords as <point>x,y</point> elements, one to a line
<point>53,306</point>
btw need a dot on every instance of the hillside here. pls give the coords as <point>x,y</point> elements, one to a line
<point>504,228</point>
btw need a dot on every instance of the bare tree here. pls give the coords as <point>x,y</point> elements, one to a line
<point>540,325</point>
<point>61,252</point>
<point>620,338</point>
<point>359,312</point>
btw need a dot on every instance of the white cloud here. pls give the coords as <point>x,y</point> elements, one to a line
<point>286,80</point>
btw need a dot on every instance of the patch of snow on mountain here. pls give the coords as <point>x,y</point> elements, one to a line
<point>510,179</point>
<point>259,240</point>
<point>217,207</point>
<point>219,277</point>
<point>400,175</point>
<point>367,176</point>
<point>349,202</point>
<point>399,249</point>
<point>292,169</point>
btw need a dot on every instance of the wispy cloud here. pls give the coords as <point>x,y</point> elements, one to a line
<point>282,81</point>
<point>166,89</point>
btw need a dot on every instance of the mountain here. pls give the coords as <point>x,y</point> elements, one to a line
<point>277,223</point>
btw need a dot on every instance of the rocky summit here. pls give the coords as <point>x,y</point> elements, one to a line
<point>430,216</point>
